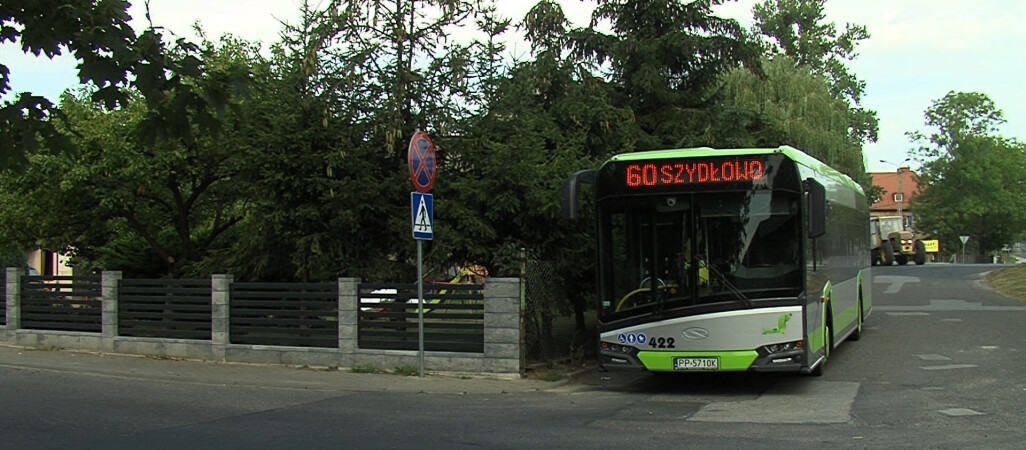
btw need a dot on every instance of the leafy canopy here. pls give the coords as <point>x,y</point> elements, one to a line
<point>973,180</point>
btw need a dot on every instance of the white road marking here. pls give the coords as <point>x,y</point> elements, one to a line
<point>950,367</point>
<point>933,357</point>
<point>950,305</point>
<point>895,282</point>
<point>961,412</point>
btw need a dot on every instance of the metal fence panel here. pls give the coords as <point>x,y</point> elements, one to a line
<point>294,314</point>
<point>550,327</point>
<point>65,303</point>
<point>453,317</point>
<point>171,309</point>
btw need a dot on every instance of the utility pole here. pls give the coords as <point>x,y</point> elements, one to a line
<point>901,199</point>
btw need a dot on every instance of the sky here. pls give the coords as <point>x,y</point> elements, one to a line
<point>918,51</point>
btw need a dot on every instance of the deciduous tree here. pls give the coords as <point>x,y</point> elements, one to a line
<point>117,188</point>
<point>973,180</point>
<point>799,30</point>
<point>112,58</point>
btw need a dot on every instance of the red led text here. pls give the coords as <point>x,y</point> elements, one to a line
<point>693,173</point>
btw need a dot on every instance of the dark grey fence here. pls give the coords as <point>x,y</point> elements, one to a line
<point>171,309</point>
<point>295,314</point>
<point>340,324</point>
<point>453,317</point>
<point>61,303</point>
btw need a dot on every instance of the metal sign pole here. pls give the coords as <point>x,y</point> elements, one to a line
<point>421,158</point>
<point>420,305</point>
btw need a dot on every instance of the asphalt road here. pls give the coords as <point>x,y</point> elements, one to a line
<point>940,366</point>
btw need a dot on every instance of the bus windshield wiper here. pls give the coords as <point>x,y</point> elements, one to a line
<point>730,287</point>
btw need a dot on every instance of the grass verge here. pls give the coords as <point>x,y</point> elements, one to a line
<point>1010,281</point>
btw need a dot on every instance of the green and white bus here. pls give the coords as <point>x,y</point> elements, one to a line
<point>726,260</point>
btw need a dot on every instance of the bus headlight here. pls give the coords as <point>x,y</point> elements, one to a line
<point>782,353</point>
<point>784,347</point>
<point>617,348</point>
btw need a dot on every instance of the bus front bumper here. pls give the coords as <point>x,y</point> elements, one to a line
<point>725,361</point>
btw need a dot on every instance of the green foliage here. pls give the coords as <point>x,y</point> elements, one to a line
<point>798,30</point>
<point>181,101</point>
<point>11,254</point>
<point>367,368</point>
<point>665,59</point>
<point>793,106</point>
<point>118,185</point>
<point>971,179</point>
<point>956,116</point>
<point>166,169</point>
<point>406,370</point>
<point>505,175</point>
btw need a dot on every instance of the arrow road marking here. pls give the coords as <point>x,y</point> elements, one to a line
<point>895,282</point>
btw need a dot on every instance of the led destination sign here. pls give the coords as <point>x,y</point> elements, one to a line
<point>694,172</point>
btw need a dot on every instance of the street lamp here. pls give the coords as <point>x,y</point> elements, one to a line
<point>901,199</point>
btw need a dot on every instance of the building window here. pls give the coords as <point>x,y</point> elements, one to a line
<point>898,198</point>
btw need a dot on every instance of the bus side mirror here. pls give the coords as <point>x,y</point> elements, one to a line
<point>817,208</point>
<point>569,191</point>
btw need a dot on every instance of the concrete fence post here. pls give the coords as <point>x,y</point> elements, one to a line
<point>14,297</point>
<point>348,308</point>
<point>109,314</point>
<point>502,325</point>
<point>220,294</point>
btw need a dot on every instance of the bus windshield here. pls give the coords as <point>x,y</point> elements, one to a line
<point>675,251</point>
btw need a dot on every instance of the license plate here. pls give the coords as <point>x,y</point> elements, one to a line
<point>696,364</point>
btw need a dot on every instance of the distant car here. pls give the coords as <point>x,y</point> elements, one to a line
<point>31,271</point>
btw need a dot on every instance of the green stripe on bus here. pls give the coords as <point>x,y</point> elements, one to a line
<point>729,361</point>
<point>816,342</point>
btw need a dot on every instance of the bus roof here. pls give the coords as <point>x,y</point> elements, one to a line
<point>794,154</point>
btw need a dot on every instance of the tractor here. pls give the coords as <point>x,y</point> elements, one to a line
<point>893,243</point>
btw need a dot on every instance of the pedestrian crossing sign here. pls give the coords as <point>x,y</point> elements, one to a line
<point>423,214</point>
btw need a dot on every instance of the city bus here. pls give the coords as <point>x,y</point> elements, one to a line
<point>726,260</point>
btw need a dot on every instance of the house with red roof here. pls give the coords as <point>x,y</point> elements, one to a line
<point>897,193</point>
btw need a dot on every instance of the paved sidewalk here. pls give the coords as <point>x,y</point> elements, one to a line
<point>261,376</point>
